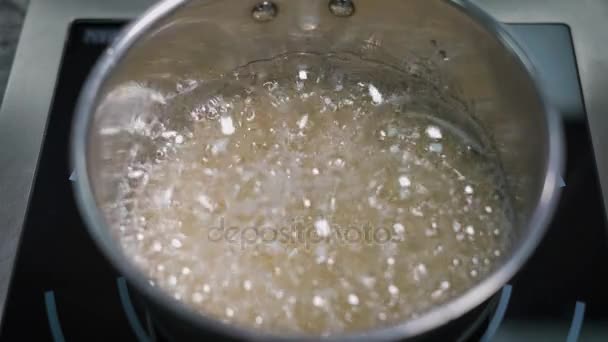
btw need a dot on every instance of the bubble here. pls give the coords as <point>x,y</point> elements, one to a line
<point>322,227</point>
<point>434,132</point>
<point>404,181</point>
<point>318,301</point>
<point>197,297</point>
<point>399,228</point>
<point>227,125</point>
<point>393,290</point>
<point>375,94</point>
<point>176,243</point>
<point>353,299</point>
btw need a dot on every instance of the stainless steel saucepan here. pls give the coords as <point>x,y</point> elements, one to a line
<point>459,48</point>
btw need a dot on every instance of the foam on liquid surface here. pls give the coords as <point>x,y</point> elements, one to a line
<point>368,211</point>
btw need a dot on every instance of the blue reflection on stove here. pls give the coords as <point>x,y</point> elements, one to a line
<point>499,314</point>
<point>577,322</point>
<point>51,314</point>
<point>127,306</point>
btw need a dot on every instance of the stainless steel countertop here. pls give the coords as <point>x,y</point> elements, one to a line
<point>11,19</point>
<point>32,81</point>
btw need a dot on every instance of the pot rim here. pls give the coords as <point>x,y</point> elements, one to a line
<point>434,318</point>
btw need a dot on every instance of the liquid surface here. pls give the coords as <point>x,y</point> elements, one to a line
<point>304,195</point>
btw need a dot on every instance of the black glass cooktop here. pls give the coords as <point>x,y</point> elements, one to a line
<point>63,289</point>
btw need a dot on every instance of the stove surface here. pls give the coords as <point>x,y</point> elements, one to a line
<point>62,287</point>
